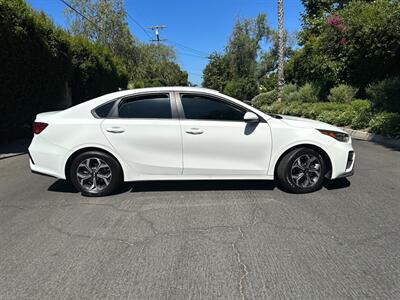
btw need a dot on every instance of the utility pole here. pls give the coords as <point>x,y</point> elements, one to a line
<point>157,29</point>
<point>281,50</point>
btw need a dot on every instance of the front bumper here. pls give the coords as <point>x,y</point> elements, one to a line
<point>346,174</point>
<point>342,158</point>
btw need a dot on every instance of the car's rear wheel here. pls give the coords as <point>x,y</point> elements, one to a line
<point>302,170</point>
<point>95,173</point>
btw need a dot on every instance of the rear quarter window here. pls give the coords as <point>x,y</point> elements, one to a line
<point>104,110</point>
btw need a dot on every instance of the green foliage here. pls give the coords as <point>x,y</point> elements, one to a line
<point>241,88</point>
<point>238,72</point>
<point>357,114</point>
<point>308,93</point>
<point>216,73</point>
<point>386,123</point>
<point>107,26</point>
<point>154,65</point>
<point>147,64</point>
<point>35,64</point>
<point>243,45</point>
<point>352,42</point>
<point>264,99</point>
<point>337,117</point>
<point>39,61</point>
<point>342,94</point>
<point>386,94</point>
<point>94,71</point>
<point>268,82</point>
<point>362,113</point>
<point>290,92</point>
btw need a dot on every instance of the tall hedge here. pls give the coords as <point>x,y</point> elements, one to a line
<point>38,61</point>
<point>94,71</point>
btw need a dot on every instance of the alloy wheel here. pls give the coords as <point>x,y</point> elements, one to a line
<point>305,171</point>
<point>93,174</point>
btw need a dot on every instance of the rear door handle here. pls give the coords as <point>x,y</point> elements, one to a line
<point>194,131</point>
<point>115,129</point>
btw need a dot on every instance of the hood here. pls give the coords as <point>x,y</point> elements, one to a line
<point>308,123</point>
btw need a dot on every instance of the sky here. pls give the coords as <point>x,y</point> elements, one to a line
<point>194,28</point>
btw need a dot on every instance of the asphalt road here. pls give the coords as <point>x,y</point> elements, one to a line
<point>203,240</point>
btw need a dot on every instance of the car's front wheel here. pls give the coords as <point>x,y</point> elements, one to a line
<point>95,173</point>
<point>302,170</point>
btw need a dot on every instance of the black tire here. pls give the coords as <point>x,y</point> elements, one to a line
<point>294,163</point>
<point>99,182</point>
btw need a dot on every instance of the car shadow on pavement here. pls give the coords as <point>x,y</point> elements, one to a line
<point>62,186</point>
<point>336,184</point>
<point>201,185</point>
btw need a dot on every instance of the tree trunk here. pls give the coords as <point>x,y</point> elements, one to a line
<point>281,50</point>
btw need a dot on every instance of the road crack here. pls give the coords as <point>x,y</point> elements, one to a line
<point>243,266</point>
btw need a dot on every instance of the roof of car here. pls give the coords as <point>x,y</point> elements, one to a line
<point>162,89</point>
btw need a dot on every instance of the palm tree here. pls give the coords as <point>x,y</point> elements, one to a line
<point>281,50</point>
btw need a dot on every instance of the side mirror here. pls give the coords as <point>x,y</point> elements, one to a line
<point>251,117</point>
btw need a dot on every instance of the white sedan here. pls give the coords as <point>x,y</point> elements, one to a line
<point>184,133</point>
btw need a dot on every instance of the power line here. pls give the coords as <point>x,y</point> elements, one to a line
<point>81,14</point>
<point>157,28</point>
<point>198,52</point>
<point>138,24</point>
<point>192,55</point>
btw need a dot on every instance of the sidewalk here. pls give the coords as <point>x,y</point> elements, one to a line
<point>14,148</point>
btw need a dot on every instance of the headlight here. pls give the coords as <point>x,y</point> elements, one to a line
<point>340,136</point>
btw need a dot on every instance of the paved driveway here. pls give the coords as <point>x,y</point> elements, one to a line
<point>203,240</point>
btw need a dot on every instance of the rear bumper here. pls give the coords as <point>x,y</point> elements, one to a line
<point>46,158</point>
<point>42,174</point>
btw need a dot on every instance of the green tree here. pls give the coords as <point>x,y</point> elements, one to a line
<point>235,71</point>
<point>155,65</point>
<point>244,44</point>
<point>267,66</point>
<point>217,72</point>
<point>105,24</point>
<point>357,44</point>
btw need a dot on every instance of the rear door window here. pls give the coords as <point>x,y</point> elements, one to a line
<point>156,106</point>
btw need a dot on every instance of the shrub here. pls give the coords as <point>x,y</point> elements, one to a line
<point>308,93</point>
<point>339,118</point>
<point>342,94</point>
<point>386,94</point>
<point>386,123</point>
<point>35,65</point>
<point>362,114</point>
<point>264,99</point>
<point>94,71</point>
<point>39,61</point>
<point>241,88</point>
<point>290,92</point>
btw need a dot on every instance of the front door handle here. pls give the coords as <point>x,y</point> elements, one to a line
<point>194,131</point>
<point>115,129</point>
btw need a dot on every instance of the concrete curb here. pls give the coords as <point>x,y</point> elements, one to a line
<point>14,148</point>
<point>8,155</point>
<point>372,137</point>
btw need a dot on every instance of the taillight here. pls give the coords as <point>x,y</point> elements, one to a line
<point>38,127</point>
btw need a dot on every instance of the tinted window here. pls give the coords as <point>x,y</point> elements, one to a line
<point>151,106</point>
<point>205,108</point>
<point>104,110</point>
